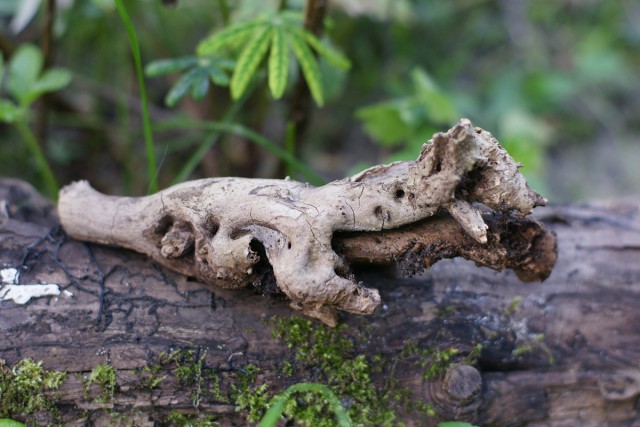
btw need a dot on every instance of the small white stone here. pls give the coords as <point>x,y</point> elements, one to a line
<point>21,294</point>
<point>9,275</point>
<point>67,293</point>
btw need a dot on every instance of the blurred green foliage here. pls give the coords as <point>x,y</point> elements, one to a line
<point>541,76</point>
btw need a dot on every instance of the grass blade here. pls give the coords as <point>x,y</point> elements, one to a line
<point>309,66</point>
<point>278,63</point>
<point>146,121</point>
<point>48,179</point>
<point>237,129</point>
<point>249,60</point>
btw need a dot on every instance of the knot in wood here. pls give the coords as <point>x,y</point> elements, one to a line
<point>462,383</point>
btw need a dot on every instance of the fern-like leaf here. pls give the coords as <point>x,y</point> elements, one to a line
<point>227,36</point>
<point>181,87</point>
<point>309,66</point>
<point>333,57</point>
<point>249,61</point>
<point>168,66</point>
<point>278,63</point>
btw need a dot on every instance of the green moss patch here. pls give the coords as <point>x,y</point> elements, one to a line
<point>23,388</point>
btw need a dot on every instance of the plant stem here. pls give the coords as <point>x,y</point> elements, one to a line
<point>42,128</point>
<point>195,159</point>
<point>146,121</point>
<point>253,136</point>
<point>300,105</point>
<point>224,12</point>
<point>290,145</point>
<point>48,179</point>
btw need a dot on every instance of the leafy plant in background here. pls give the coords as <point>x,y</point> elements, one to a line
<point>197,73</point>
<point>280,34</point>
<point>408,121</point>
<point>25,83</point>
<point>275,33</point>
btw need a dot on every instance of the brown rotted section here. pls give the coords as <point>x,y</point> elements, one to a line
<point>520,244</point>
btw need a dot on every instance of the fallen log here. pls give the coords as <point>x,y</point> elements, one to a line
<point>561,353</point>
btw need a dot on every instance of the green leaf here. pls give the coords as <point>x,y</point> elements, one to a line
<point>384,122</point>
<point>52,80</point>
<point>249,61</point>
<point>278,63</point>
<point>227,36</point>
<point>200,84</point>
<point>5,422</point>
<point>24,69</point>
<point>218,76</point>
<point>273,414</point>
<point>181,87</point>
<point>9,112</point>
<point>332,56</point>
<point>215,67</point>
<point>439,108</point>
<point>168,66</point>
<point>1,68</point>
<point>309,66</point>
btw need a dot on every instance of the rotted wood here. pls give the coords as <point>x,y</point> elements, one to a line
<point>560,353</point>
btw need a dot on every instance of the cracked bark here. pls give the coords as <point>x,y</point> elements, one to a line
<point>216,229</point>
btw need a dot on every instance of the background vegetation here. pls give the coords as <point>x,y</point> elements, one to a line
<point>557,82</point>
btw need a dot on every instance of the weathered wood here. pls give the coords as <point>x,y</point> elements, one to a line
<point>560,353</point>
<point>220,230</point>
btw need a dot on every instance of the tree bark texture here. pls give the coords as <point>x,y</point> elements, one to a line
<point>561,353</point>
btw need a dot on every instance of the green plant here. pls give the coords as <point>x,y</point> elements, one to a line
<point>277,33</point>
<point>25,83</point>
<point>105,377</point>
<point>146,120</point>
<point>183,420</point>
<point>23,387</point>
<point>10,423</point>
<point>197,73</point>
<point>277,406</point>
<point>408,121</point>
<point>347,375</point>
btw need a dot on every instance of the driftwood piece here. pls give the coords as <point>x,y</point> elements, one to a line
<point>219,230</point>
<point>560,354</point>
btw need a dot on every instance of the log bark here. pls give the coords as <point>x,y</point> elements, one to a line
<point>561,353</point>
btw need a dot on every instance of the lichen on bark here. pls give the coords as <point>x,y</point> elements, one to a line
<point>224,231</point>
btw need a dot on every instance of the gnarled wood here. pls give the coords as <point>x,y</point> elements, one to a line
<point>218,230</point>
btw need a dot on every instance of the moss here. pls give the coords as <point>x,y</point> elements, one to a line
<point>535,343</point>
<point>149,376</point>
<point>513,306</point>
<point>23,387</point>
<point>329,355</point>
<point>191,371</point>
<point>287,368</point>
<point>435,362</point>
<point>105,377</point>
<point>249,397</point>
<point>184,420</point>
